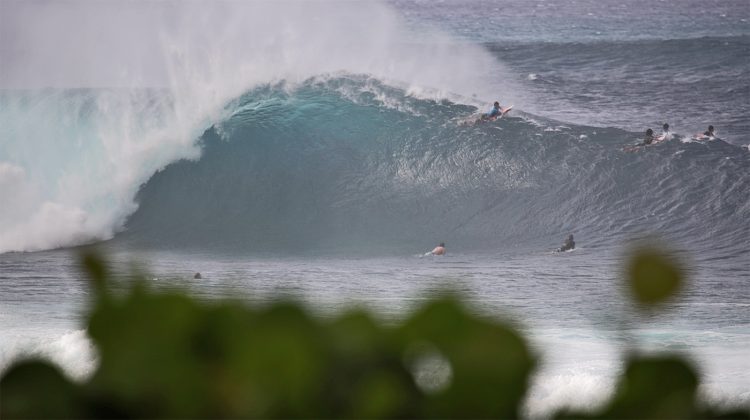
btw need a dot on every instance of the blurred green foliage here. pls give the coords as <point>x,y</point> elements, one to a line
<point>166,355</point>
<point>653,277</point>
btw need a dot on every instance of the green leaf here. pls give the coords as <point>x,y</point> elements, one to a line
<point>653,277</point>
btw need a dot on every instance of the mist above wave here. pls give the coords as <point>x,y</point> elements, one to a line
<point>73,159</point>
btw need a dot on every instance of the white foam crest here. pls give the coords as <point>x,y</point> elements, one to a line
<point>72,161</point>
<point>574,390</point>
<point>76,160</point>
<point>724,397</point>
<point>578,370</point>
<point>72,351</point>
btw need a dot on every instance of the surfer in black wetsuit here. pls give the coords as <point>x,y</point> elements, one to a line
<point>567,245</point>
<point>648,139</point>
<point>707,135</point>
<point>710,132</point>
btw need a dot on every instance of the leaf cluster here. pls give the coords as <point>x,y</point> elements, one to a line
<point>163,354</point>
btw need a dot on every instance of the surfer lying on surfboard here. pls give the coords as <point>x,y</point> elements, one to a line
<point>647,140</point>
<point>568,245</point>
<point>439,250</point>
<point>495,113</point>
<point>707,135</point>
<point>665,134</point>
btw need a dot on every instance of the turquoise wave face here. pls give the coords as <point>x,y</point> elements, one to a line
<point>353,165</point>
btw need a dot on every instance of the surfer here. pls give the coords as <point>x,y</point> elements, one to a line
<point>567,245</point>
<point>665,134</point>
<point>496,112</point>
<point>439,250</point>
<point>648,139</point>
<point>707,135</point>
<point>493,113</point>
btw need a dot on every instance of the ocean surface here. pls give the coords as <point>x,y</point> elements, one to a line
<point>319,149</point>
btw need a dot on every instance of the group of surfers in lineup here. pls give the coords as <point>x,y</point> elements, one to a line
<point>568,245</point>
<point>497,111</point>
<point>666,135</point>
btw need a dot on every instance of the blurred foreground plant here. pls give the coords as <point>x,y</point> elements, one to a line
<point>164,354</point>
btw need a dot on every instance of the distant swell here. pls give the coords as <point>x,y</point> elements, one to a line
<point>636,83</point>
<point>353,165</point>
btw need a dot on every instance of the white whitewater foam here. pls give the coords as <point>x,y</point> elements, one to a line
<point>575,390</point>
<point>72,351</point>
<point>73,160</point>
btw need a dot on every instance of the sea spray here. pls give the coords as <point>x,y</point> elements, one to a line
<point>87,118</point>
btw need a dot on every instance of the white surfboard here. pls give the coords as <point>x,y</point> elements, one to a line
<point>505,111</point>
<point>662,137</point>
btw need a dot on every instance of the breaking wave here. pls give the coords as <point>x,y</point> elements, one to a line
<point>351,163</point>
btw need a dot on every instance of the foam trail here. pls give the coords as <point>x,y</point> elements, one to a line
<point>157,74</point>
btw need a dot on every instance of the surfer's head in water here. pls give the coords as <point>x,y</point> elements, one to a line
<point>665,127</point>
<point>710,132</point>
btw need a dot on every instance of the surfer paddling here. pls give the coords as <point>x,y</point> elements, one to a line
<point>709,132</point>
<point>665,133</point>
<point>568,245</point>
<point>647,140</point>
<point>439,250</point>
<point>707,135</point>
<point>496,112</point>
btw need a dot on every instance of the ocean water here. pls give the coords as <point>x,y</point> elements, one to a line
<point>319,150</point>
